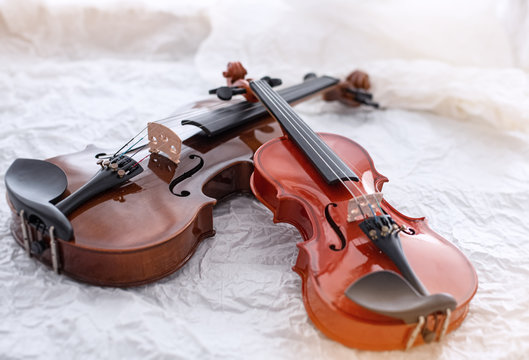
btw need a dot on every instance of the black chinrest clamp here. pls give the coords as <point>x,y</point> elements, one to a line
<point>31,246</point>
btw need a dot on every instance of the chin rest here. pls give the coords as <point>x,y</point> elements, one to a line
<point>388,293</point>
<point>34,186</point>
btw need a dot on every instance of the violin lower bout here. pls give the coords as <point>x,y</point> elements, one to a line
<point>126,267</point>
<point>285,182</point>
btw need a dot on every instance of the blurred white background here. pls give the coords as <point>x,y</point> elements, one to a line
<point>453,141</point>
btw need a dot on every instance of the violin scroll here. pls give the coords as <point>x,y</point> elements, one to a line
<point>359,80</point>
<point>234,73</point>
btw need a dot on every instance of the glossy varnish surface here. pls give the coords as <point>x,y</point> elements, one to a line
<point>141,231</point>
<point>291,187</point>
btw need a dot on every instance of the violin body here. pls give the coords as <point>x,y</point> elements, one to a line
<point>148,228</point>
<point>105,219</point>
<point>295,192</point>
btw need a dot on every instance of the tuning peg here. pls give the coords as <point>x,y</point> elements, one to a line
<point>272,82</point>
<point>363,97</point>
<point>226,92</point>
<point>359,94</point>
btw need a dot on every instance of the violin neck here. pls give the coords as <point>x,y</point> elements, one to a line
<point>326,161</point>
<point>220,120</point>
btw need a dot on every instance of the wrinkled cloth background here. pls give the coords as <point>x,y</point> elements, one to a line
<point>454,142</point>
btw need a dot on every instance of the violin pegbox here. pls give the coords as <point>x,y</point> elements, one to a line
<point>163,139</point>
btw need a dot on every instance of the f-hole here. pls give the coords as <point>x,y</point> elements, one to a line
<point>186,175</point>
<point>335,227</point>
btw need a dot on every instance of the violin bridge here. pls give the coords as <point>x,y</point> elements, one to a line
<point>363,205</point>
<point>163,139</point>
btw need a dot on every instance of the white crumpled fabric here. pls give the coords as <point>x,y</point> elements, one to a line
<point>454,142</point>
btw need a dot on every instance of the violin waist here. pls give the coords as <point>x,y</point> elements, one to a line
<point>147,228</point>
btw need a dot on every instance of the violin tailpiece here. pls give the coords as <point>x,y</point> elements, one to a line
<point>362,205</point>
<point>163,139</point>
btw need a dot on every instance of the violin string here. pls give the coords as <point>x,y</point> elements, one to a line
<point>190,113</point>
<point>193,114</point>
<point>309,132</point>
<point>271,96</point>
<point>138,162</point>
<point>128,142</point>
<point>180,117</point>
<point>312,134</point>
<point>137,150</point>
<point>169,120</point>
<point>136,143</point>
<point>280,103</point>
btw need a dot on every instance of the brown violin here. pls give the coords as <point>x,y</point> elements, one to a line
<point>137,214</point>
<point>372,277</point>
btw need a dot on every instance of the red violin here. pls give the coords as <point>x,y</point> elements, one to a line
<point>372,277</point>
